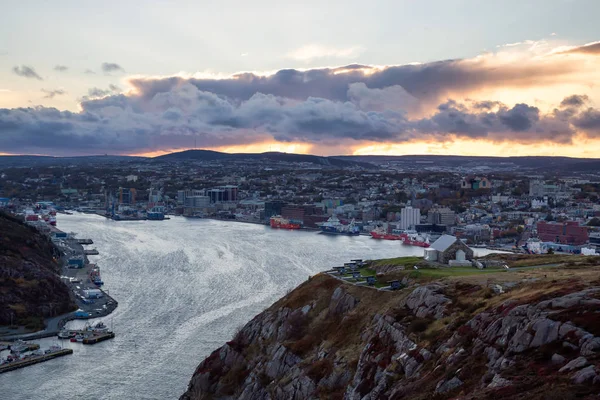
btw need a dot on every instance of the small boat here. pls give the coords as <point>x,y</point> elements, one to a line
<point>65,334</point>
<point>78,338</point>
<point>98,328</point>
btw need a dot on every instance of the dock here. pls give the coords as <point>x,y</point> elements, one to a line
<point>29,346</point>
<point>99,338</point>
<point>33,360</point>
<point>85,241</point>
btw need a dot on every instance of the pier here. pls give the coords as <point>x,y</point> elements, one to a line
<point>33,360</point>
<point>97,338</point>
<point>85,241</point>
<point>28,346</point>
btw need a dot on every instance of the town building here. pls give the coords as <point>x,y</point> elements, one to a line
<point>449,250</point>
<point>127,196</point>
<point>475,183</point>
<point>441,216</point>
<point>568,232</point>
<point>409,217</point>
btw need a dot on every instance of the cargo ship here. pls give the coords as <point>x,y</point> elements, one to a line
<point>412,238</point>
<point>333,226</point>
<point>278,222</point>
<point>380,233</point>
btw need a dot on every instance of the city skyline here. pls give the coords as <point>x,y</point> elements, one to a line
<point>396,78</point>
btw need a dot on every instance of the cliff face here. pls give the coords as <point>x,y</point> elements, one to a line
<point>453,338</point>
<point>30,288</point>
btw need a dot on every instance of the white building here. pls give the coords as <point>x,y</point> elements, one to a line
<point>131,178</point>
<point>409,217</point>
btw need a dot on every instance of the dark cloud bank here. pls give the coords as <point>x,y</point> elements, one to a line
<point>314,106</point>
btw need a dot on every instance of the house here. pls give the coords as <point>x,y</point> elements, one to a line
<point>475,183</point>
<point>449,250</point>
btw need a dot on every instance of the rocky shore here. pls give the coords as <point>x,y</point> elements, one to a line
<point>529,334</point>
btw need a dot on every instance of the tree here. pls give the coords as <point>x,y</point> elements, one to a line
<point>549,218</point>
<point>550,251</point>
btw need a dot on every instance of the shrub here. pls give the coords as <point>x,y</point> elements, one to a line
<point>320,369</point>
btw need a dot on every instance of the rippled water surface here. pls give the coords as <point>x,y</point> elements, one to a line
<point>183,287</point>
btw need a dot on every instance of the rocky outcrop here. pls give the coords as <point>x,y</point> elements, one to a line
<point>439,340</point>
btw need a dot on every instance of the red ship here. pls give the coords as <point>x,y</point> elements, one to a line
<point>413,239</point>
<point>380,233</point>
<point>279,222</point>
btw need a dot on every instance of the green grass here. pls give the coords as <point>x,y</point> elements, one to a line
<point>398,261</point>
<point>450,271</point>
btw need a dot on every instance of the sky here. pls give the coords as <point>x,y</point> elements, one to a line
<point>465,77</point>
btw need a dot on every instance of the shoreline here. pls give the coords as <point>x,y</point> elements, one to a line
<point>55,324</point>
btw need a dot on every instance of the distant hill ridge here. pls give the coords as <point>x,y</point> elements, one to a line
<point>541,163</point>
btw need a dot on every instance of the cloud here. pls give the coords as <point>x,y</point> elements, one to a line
<point>590,48</point>
<point>89,71</point>
<point>434,102</point>
<point>574,101</point>
<point>26,72</point>
<point>97,92</point>
<point>314,51</point>
<point>429,83</point>
<point>111,67</point>
<point>61,68</point>
<point>134,123</point>
<point>589,120</point>
<point>50,94</point>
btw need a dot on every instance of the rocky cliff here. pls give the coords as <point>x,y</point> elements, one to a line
<point>518,335</point>
<point>30,287</point>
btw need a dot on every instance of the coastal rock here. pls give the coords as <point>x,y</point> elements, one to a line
<point>499,382</point>
<point>341,302</point>
<point>557,359</point>
<point>449,385</point>
<point>584,375</point>
<point>577,363</point>
<point>427,301</point>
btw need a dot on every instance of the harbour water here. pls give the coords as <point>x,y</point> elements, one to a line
<point>184,287</point>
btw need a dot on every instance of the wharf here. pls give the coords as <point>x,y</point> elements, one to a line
<point>34,360</point>
<point>30,346</point>
<point>97,338</point>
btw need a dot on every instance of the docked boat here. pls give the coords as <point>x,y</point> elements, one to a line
<point>19,346</point>
<point>95,276</point>
<point>65,334</point>
<point>278,222</point>
<point>333,226</point>
<point>380,233</point>
<point>52,220</point>
<point>412,238</point>
<point>78,338</point>
<point>99,327</point>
